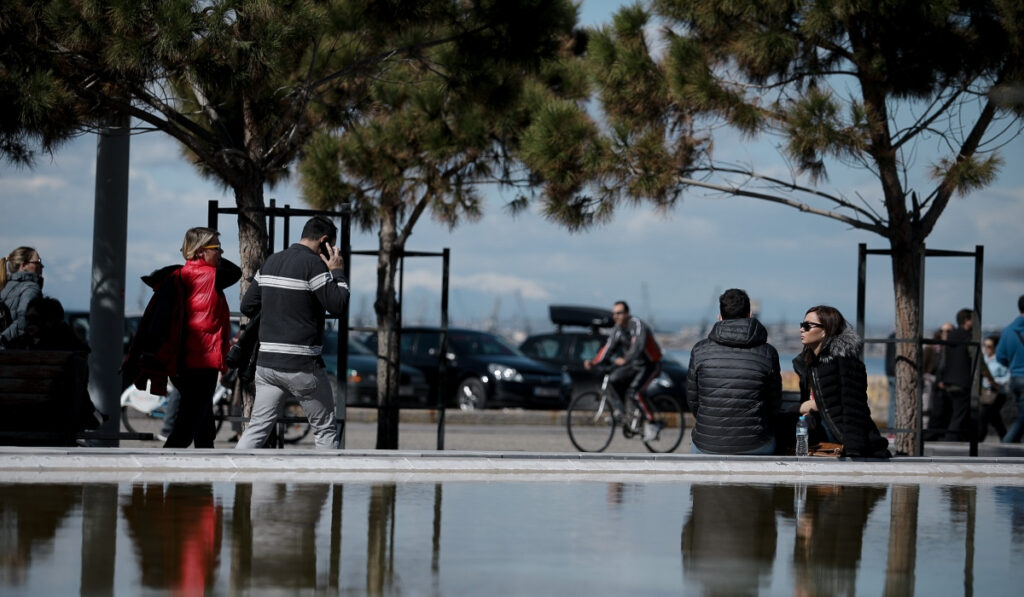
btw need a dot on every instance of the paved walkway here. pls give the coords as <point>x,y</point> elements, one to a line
<point>124,464</point>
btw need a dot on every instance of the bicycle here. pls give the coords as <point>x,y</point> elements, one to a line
<point>591,422</point>
<point>296,427</point>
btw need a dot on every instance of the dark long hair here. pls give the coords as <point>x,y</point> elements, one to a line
<point>832,322</point>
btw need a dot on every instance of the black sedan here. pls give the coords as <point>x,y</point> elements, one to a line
<point>483,370</point>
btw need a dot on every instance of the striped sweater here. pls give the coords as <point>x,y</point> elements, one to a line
<point>292,289</point>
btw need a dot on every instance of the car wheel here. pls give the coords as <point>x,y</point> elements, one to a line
<point>471,394</point>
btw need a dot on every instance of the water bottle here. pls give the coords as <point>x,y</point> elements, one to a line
<point>801,436</point>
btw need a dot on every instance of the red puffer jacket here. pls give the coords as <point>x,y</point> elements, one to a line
<point>208,317</point>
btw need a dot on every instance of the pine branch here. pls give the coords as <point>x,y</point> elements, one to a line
<point>925,124</point>
<point>383,56</point>
<point>739,191</point>
<point>793,186</point>
<point>948,185</point>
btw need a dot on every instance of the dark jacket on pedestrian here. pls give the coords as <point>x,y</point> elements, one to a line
<point>955,368</point>
<point>734,387</point>
<point>19,291</point>
<point>292,290</point>
<point>839,382</point>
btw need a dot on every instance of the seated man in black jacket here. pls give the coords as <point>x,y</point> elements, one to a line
<point>734,385</point>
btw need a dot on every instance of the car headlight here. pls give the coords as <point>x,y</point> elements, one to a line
<point>355,377</point>
<point>664,380</point>
<point>503,373</point>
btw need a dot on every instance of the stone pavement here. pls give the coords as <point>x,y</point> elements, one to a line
<point>21,464</point>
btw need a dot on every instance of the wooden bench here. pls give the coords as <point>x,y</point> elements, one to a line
<point>41,393</point>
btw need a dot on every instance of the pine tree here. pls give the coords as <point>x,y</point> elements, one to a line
<point>433,130</point>
<point>844,83</point>
<point>242,84</point>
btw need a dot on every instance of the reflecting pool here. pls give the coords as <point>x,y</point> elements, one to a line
<point>511,538</point>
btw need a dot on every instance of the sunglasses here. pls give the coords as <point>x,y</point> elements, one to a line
<point>618,312</point>
<point>808,325</point>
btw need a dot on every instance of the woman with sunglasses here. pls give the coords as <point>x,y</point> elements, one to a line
<point>207,318</point>
<point>21,281</point>
<point>833,384</point>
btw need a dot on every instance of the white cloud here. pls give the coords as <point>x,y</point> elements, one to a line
<point>31,185</point>
<point>488,282</point>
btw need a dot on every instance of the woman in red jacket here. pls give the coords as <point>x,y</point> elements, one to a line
<point>207,326</point>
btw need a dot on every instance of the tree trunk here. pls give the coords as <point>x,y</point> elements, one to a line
<point>906,274</point>
<point>388,323</point>
<point>899,569</point>
<point>252,248</point>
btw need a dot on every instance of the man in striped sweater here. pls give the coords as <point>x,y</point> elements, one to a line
<point>292,289</point>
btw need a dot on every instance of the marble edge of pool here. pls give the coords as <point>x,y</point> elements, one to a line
<point>144,464</point>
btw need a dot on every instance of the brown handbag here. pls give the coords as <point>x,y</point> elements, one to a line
<point>826,449</point>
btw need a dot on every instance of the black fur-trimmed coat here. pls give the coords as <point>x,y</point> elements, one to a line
<point>839,381</point>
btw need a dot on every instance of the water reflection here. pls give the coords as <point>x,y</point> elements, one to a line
<point>729,538</point>
<point>511,538</point>
<point>176,535</point>
<point>29,518</point>
<point>829,538</point>
<point>1011,499</point>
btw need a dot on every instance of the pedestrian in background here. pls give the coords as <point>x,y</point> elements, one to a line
<point>951,412</point>
<point>21,281</point>
<point>993,391</point>
<point>1010,354</point>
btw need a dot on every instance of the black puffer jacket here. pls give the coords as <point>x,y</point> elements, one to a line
<point>734,387</point>
<point>840,384</point>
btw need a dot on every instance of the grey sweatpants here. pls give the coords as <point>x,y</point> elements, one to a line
<point>273,387</point>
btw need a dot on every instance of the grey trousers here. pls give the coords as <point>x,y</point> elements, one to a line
<point>313,391</point>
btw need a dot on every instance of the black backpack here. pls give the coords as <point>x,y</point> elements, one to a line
<point>242,355</point>
<point>5,317</point>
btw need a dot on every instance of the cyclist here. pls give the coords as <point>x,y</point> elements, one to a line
<point>636,358</point>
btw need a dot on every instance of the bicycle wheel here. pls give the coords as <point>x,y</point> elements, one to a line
<point>294,432</point>
<point>221,411</point>
<point>125,420</point>
<point>669,414</point>
<point>590,422</point>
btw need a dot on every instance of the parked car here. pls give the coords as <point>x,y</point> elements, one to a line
<point>413,390</point>
<point>568,350</point>
<point>79,322</point>
<point>484,370</point>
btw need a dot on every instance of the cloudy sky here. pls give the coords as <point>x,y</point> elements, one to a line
<point>669,266</point>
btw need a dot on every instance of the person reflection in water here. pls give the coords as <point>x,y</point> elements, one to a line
<point>729,538</point>
<point>177,535</point>
<point>282,535</point>
<point>31,515</point>
<point>829,536</point>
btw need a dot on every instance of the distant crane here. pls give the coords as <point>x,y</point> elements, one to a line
<point>524,319</point>
<point>492,322</point>
<point>710,315</point>
<point>645,303</point>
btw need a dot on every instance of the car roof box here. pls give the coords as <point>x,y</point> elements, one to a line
<point>589,317</point>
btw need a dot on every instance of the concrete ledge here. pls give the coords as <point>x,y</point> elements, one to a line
<point>454,416</point>
<point>104,464</point>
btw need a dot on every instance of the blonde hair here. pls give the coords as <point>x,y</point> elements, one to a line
<point>13,262</point>
<point>197,238</point>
